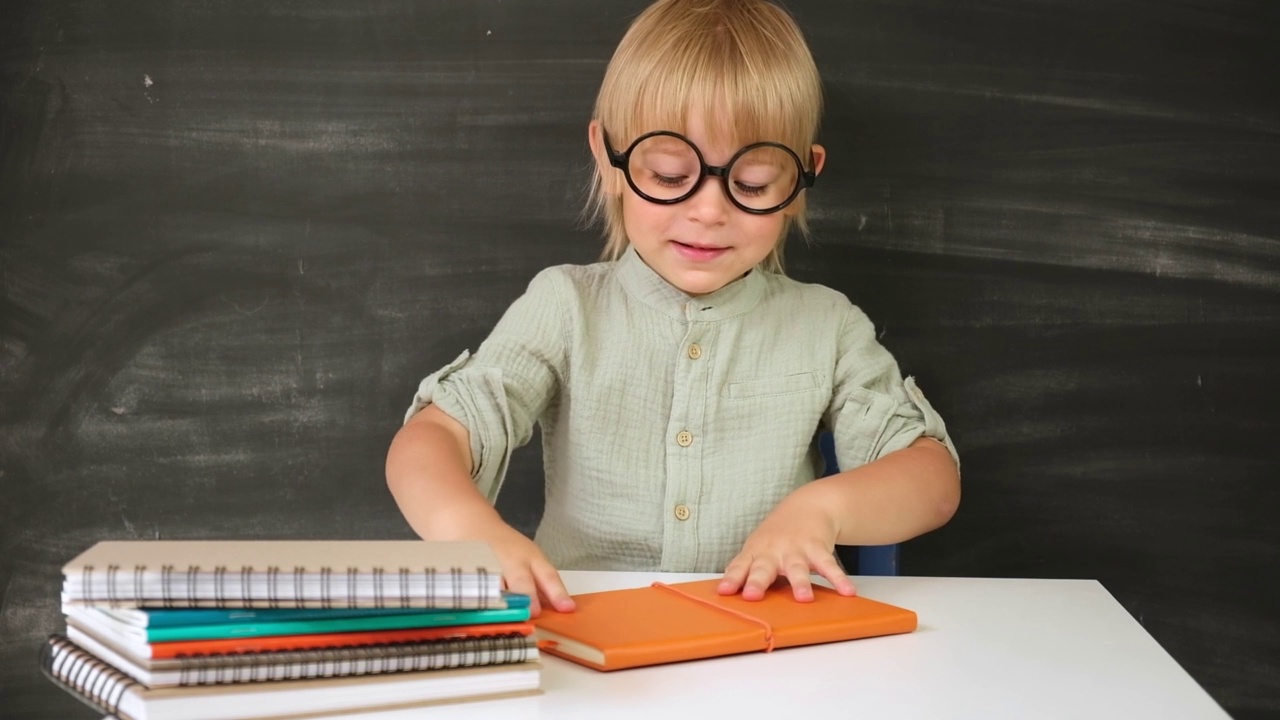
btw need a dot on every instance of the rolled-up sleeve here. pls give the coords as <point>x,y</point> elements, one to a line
<point>499,393</point>
<point>874,411</point>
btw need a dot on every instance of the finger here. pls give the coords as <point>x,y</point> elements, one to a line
<point>520,580</point>
<point>552,587</point>
<point>762,574</point>
<point>827,567</point>
<point>801,586</point>
<point>734,575</point>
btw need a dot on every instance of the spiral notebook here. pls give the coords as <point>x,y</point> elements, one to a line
<point>284,573</point>
<point>111,691</point>
<point>305,664</point>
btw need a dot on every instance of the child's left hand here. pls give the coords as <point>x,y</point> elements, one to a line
<point>797,538</point>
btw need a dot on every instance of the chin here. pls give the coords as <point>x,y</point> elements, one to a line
<point>700,285</point>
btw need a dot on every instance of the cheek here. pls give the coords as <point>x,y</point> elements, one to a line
<point>765,229</point>
<point>642,218</point>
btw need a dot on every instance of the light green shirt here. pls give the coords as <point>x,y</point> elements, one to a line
<point>672,424</point>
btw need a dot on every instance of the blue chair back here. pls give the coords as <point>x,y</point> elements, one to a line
<point>864,559</point>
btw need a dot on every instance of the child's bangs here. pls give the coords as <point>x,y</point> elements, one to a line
<point>730,112</point>
<point>742,79</point>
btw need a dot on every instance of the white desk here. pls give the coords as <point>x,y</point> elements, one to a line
<point>986,648</point>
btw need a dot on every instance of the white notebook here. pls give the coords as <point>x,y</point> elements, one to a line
<point>284,573</point>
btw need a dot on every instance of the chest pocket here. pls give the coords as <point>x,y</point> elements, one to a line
<point>771,387</point>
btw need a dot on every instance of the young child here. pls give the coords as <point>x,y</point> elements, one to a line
<point>681,383</point>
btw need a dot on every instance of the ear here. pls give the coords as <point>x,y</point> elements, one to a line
<point>610,177</point>
<point>819,158</point>
<point>819,155</point>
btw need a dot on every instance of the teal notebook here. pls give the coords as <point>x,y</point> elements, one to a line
<point>186,617</point>
<point>384,621</point>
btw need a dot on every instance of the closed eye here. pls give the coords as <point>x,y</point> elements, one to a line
<point>670,180</point>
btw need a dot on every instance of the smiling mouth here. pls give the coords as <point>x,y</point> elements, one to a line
<point>698,253</point>
<point>702,248</point>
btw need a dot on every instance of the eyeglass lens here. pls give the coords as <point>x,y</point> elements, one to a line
<point>667,168</point>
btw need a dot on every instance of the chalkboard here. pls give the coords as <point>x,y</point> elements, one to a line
<point>233,236</point>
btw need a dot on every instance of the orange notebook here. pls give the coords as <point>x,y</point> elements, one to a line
<point>619,629</point>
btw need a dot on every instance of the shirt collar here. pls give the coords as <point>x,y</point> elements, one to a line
<point>647,286</point>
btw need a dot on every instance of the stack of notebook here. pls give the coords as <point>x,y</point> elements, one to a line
<point>180,630</point>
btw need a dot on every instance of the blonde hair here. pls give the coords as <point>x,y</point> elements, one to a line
<point>741,65</point>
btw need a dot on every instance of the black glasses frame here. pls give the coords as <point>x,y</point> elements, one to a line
<point>622,161</point>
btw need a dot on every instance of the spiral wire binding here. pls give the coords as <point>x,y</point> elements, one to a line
<point>274,666</point>
<point>181,588</point>
<point>101,686</point>
<point>326,582</point>
<point>93,681</point>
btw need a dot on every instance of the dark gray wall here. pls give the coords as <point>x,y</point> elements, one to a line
<point>234,235</point>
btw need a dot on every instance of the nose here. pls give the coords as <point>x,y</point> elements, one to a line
<point>709,205</point>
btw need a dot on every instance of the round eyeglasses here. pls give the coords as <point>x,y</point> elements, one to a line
<point>665,167</point>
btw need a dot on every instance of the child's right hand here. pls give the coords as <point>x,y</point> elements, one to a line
<point>525,569</point>
<point>444,504</point>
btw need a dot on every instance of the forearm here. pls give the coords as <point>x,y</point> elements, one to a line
<point>898,497</point>
<point>429,474</point>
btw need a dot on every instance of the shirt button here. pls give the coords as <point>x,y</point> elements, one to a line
<point>682,512</point>
<point>684,438</point>
<point>695,351</point>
